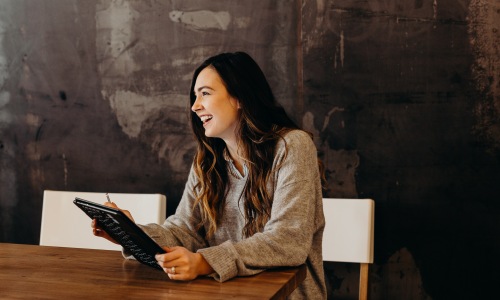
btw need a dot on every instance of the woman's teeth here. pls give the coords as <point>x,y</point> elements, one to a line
<point>206,118</point>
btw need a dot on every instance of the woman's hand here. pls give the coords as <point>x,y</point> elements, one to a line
<point>182,264</point>
<point>98,231</point>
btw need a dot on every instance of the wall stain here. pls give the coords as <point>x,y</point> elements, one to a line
<point>399,278</point>
<point>203,19</point>
<point>483,27</point>
<point>38,134</point>
<point>340,163</point>
<point>114,20</point>
<point>65,169</point>
<point>132,109</point>
<point>62,95</point>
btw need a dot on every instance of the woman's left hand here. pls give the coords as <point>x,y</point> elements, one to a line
<point>181,264</point>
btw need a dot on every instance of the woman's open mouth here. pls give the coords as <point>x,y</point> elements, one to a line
<point>205,119</point>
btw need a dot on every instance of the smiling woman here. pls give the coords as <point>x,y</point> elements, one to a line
<point>216,108</point>
<point>253,198</point>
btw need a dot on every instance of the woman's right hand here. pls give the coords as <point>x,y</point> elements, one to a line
<point>98,231</point>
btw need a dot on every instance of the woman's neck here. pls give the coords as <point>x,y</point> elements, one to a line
<point>236,155</point>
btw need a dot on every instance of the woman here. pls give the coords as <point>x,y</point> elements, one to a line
<point>253,197</point>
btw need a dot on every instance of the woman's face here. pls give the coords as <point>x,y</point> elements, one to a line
<point>217,110</point>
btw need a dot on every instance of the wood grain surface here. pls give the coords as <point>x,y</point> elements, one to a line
<point>31,271</point>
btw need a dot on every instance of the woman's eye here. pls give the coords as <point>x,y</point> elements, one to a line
<point>204,93</point>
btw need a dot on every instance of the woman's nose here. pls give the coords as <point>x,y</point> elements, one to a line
<point>196,105</point>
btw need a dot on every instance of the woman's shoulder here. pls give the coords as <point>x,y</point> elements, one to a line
<point>297,134</point>
<point>297,138</point>
<point>296,151</point>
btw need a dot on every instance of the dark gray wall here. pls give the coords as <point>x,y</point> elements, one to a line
<point>402,96</point>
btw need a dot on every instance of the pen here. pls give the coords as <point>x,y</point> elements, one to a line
<point>107,196</point>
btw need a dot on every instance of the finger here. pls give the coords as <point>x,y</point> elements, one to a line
<point>173,273</point>
<point>176,276</point>
<point>171,249</point>
<point>180,276</point>
<point>162,263</point>
<point>100,233</point>
<point>168,249</point>
<point>167,265</point>
<point>110,204</point>
<point>166,269</point>
<point>161,257</point>
<point>168,257</point>
<point>97,230</point>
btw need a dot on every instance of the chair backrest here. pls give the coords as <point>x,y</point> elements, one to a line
<point>65,225</point>
<point>349,234</point>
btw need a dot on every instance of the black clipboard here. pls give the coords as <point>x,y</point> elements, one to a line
<point>123,230</point>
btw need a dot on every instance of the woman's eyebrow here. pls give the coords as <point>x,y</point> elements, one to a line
<point>203,87</point>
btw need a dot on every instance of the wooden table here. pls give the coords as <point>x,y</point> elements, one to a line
<point>30,271</point>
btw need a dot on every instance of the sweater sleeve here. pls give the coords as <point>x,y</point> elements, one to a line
<point>179,229</point>
<point>295,218</point>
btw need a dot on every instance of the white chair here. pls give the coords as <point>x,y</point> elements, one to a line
<point>349,235</point>
<point>65,225</point>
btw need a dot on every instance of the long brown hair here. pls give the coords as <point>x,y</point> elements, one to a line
<point>263,122</point>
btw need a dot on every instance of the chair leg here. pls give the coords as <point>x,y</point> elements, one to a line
<point>363,281</point>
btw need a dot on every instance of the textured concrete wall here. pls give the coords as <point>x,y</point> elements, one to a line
<point>402,96</point>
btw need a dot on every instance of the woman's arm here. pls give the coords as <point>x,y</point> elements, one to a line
<point>180,229</point>
<point>296,218</point>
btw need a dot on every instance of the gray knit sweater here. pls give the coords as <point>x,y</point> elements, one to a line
<point>291,237</point>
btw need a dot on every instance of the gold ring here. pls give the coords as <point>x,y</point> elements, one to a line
<point>173,270</point>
